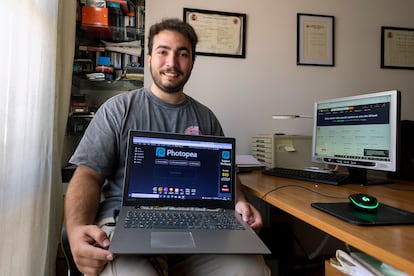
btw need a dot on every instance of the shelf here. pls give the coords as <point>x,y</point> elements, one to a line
<point>77,124</point>
<point>117,85</point>
<point>113,33</point>
<point>109,41</point>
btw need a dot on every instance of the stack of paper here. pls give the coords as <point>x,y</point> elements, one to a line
<point>358,263</point>
<point>247,163</point>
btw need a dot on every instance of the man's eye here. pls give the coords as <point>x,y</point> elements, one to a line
<point>162,52</point>
<point>183,54</point>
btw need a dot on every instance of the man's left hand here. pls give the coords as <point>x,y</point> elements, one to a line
<point>250,215</point>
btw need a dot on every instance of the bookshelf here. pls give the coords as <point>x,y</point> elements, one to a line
<point>109,56</point>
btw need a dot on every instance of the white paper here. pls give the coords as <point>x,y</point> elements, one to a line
<point>247,161</point>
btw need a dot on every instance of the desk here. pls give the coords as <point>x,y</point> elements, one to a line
<point>393,245</point>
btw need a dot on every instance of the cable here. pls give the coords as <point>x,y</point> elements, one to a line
<point>348,248</point>
<point>318,250</point>
<point>156,265</point>
<point>298,186</point>
<point>324,241</point>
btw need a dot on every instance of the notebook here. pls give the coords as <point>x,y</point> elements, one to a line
<point>178,173</point>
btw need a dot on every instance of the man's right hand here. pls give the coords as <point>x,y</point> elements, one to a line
<point>89,246</point>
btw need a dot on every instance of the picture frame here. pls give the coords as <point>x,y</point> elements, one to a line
<point>397,48</point>
<point>315,40</point>
<point>221,34</point>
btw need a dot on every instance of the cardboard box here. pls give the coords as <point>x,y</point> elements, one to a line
<point>92,16</point>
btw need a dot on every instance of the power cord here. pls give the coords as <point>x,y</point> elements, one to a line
<point>301,187</point>
<point>325,239</point>
<point>156,265</point>
<point>321,246</point>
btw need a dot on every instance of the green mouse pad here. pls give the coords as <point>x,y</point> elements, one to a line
<point>383,215</point>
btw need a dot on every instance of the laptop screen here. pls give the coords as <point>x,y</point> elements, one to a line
<point>168,169</point>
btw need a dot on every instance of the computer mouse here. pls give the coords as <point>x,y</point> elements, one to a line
<point>364,202</point>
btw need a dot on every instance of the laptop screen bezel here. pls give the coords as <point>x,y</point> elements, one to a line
<point>162,202</point>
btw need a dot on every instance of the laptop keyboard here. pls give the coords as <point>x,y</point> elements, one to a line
<point>167,219</point>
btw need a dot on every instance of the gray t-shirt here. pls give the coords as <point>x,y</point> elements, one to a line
<point>103,146</point>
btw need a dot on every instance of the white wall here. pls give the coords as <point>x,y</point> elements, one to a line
<point>244,93</point>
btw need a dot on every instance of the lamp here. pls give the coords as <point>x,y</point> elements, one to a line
<point>290,116</point>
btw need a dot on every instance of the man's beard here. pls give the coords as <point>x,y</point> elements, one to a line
<point>171,89</point>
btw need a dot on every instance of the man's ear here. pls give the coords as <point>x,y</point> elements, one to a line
<point>149,59</point>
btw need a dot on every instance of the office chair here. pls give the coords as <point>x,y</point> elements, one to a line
<point>72,268</point>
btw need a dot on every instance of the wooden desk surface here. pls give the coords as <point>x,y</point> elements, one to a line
<point>393,245</point>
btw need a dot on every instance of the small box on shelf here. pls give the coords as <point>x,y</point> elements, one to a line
<point>77,124</point>
<point>95,3</point>
<point>82,65</point>
<point>92,16</point>
<point>78,104</point>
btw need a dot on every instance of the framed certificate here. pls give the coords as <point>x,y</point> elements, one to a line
<point>315,40</point>
<point>397,48</point>
<point>219,33</point>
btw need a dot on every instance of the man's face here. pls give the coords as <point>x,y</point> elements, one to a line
<point>170,61</point>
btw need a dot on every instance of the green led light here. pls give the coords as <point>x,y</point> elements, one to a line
<point>363,206</point>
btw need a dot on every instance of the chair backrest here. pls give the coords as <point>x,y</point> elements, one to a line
<point>72,268</point>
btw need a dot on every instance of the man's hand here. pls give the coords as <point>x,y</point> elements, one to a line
<point>250,215</point>
<point>89,246</point>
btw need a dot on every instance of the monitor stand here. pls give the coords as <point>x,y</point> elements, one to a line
<point>361,176</point>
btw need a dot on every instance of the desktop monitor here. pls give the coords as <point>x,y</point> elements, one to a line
<point>358,132</point>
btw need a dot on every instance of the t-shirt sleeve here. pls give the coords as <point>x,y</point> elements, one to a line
<point>216,126</point>
<point>209,124</point>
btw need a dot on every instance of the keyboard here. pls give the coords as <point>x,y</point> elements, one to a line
<point>320,177</point>
<point>162,219</point>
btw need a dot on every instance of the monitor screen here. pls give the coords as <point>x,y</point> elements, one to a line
<point>358,132</point>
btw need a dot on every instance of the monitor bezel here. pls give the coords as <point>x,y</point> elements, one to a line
<point>394,119</point>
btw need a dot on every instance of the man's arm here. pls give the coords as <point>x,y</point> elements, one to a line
<point>88,243</point>
<point>82,197</point>
<point>249,213</point>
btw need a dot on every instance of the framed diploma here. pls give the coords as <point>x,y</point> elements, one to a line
<point>397,48</point>
<point>219,33</point>
<point>315,40</point>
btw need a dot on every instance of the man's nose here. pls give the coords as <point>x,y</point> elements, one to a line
<point>171,59</point>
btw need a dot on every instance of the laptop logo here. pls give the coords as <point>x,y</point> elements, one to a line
<point>160,152</point>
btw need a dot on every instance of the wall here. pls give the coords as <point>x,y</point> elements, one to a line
<point>244,93</point>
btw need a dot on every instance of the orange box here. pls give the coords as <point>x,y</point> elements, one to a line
<point>94,16</point>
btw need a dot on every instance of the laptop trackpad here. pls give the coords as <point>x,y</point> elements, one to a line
<point>172,240</point>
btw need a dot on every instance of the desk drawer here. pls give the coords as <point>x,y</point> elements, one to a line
<point>267,147</point>
<point>266,159</point>
<point>265,139</point>
<point>263,149</point>
<point>263,155</point>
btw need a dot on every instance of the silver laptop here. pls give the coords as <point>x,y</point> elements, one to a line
<point>191,179</point>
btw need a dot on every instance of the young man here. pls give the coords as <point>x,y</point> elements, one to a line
<point>100,160</point>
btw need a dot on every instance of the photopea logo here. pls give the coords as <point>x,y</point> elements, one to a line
<point>185,154</point>
<point>225,154</point>
<point>160,152</point>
